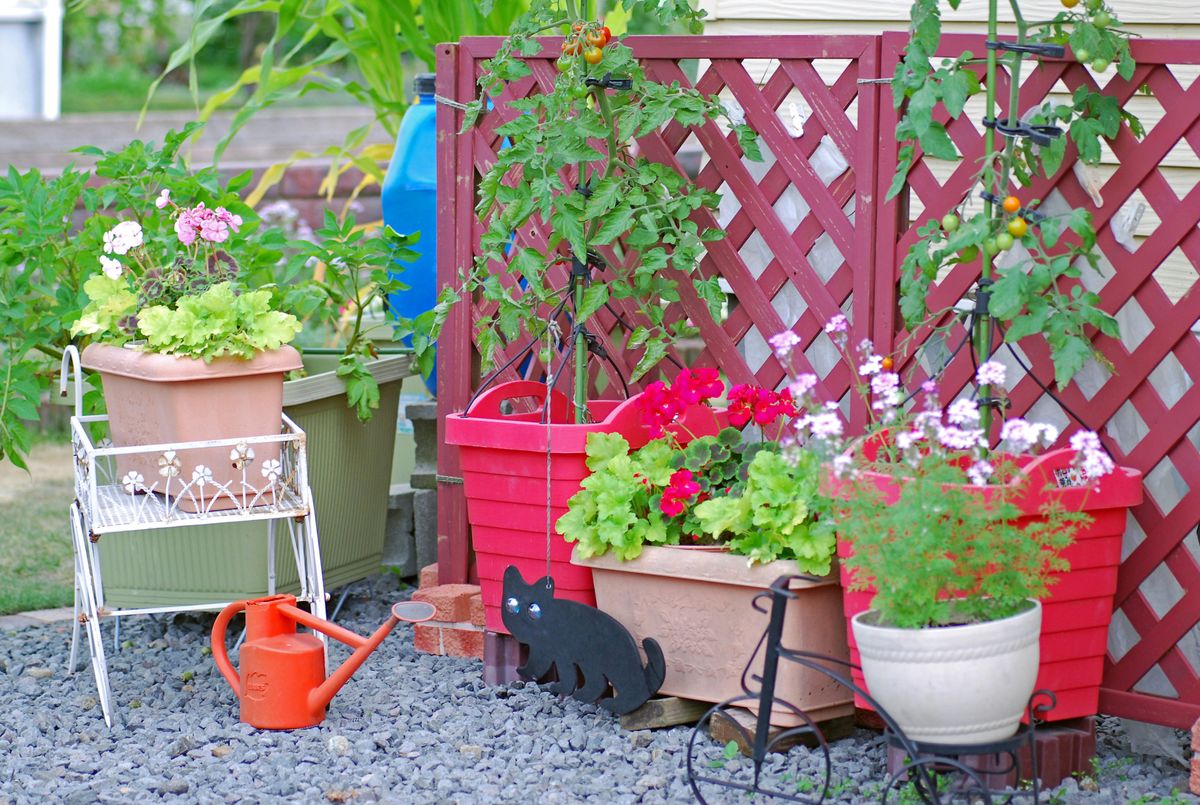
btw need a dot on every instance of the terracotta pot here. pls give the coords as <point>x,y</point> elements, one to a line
<point>697,605</point>
<point>159,399</point>
<point>1077,612</point>
<point>967,684</point>
<point>503,447</point>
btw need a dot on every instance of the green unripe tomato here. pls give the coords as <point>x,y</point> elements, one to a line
<point>580,92</point>
<point>1099,65</point>
<point>564,63</point>
<point>990,247</point>
<point>1094,5</point>
<point>1083,55</point>
<point>949,222</point>
<point>1004,241</point>
<point>1102,20</point>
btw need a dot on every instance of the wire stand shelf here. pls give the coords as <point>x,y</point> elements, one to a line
<point>122,489</point>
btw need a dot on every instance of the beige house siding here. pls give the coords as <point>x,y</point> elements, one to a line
<point>1174,19</point>
<point>1161,19</point>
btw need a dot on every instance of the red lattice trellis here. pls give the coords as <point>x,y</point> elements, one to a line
<point>799,248</point>
<point>1148,408</point>
<point>806,241</point>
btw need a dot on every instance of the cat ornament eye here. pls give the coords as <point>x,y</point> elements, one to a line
<point>514,606</point>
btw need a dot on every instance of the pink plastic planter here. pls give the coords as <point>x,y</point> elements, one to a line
<point>504,463</point>
<point>1076,614</point>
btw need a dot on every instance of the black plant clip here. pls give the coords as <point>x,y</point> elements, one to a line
<point>608,82</point>
<point>1041,134</point>
<point>1043,49</point>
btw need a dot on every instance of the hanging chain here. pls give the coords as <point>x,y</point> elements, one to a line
<point>552,333</point>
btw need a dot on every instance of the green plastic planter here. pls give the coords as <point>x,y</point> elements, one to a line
<point>349,468</point>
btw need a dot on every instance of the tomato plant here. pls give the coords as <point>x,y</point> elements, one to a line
<point>1034,290</point>
<point>572,171</point>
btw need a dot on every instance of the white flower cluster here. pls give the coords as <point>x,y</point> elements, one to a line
<point>121,238</point>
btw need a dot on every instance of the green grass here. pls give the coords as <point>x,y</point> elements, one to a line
<point>36,562</point>
<point>124,90</point>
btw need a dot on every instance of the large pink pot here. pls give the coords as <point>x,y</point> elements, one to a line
<point>158,399</point>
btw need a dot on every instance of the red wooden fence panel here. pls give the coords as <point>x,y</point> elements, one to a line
<point>1147,409</point>
<point>808,238</point>
<point>800,243</point>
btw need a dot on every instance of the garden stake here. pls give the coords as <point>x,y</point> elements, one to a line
<point>282,684</point>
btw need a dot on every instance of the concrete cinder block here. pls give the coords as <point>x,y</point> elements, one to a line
<point>425,526</point>
<point>423,416</point>
<point>399,542</point>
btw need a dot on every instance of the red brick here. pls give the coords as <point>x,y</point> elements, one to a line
<point>452,602</point>
<point>477,615</point>
<point>463,643</point>
<point>1194,779</point>
<point>427,639</point>
<point>428,576</point>
<point>1196,736</point>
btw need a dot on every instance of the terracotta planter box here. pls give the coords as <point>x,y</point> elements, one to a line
<point>1077,612</point>
<point>697,605</point>
<point>503,458</point>
<point>160,399</point>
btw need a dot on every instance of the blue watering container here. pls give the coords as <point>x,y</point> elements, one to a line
<point>409,196</point>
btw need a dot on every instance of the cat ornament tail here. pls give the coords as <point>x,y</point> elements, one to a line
<point>589,649</point>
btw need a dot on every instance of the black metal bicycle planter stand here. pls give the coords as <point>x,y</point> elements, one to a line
<point>934,773</point>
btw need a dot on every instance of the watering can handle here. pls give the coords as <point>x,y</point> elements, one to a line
<point>219,654</point>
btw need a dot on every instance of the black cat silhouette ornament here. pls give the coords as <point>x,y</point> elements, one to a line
<point>580,642</point>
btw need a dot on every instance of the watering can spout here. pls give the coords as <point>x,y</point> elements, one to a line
<point>410,611</point>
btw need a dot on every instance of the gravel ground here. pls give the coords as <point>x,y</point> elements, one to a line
<point>407,728</point>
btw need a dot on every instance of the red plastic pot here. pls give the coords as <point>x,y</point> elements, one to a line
<point>504,464</point>
<point>1077,613</point>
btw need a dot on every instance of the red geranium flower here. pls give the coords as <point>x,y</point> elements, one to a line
<point>680,489</point>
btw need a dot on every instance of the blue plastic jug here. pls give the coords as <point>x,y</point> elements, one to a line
<point>409,196</point>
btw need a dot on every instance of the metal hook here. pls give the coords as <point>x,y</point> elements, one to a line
<point>71,361</point>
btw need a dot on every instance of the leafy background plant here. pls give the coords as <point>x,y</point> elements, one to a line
<point>355,273</point>
<point>361,50</point>
<point>1034,291</point>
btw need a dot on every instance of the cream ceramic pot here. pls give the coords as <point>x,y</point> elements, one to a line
<point>955,684</point>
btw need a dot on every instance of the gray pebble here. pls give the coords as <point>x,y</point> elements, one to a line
<point>410,728</point>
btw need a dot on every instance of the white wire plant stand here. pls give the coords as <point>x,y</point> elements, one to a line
<point>111,498</point>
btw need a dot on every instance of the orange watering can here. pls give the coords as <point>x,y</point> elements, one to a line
<point>282,684</point>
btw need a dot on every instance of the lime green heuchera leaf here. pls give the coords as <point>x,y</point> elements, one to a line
<point>603,448</point>
<point>111,301</point>
<point>220,322</point>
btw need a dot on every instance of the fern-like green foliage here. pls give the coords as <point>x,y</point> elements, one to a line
<point>753,499</point>
<point>217,322</point>
<point>945,552</point>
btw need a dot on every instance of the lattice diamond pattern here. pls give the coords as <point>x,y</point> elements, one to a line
<point>1146,407</point>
